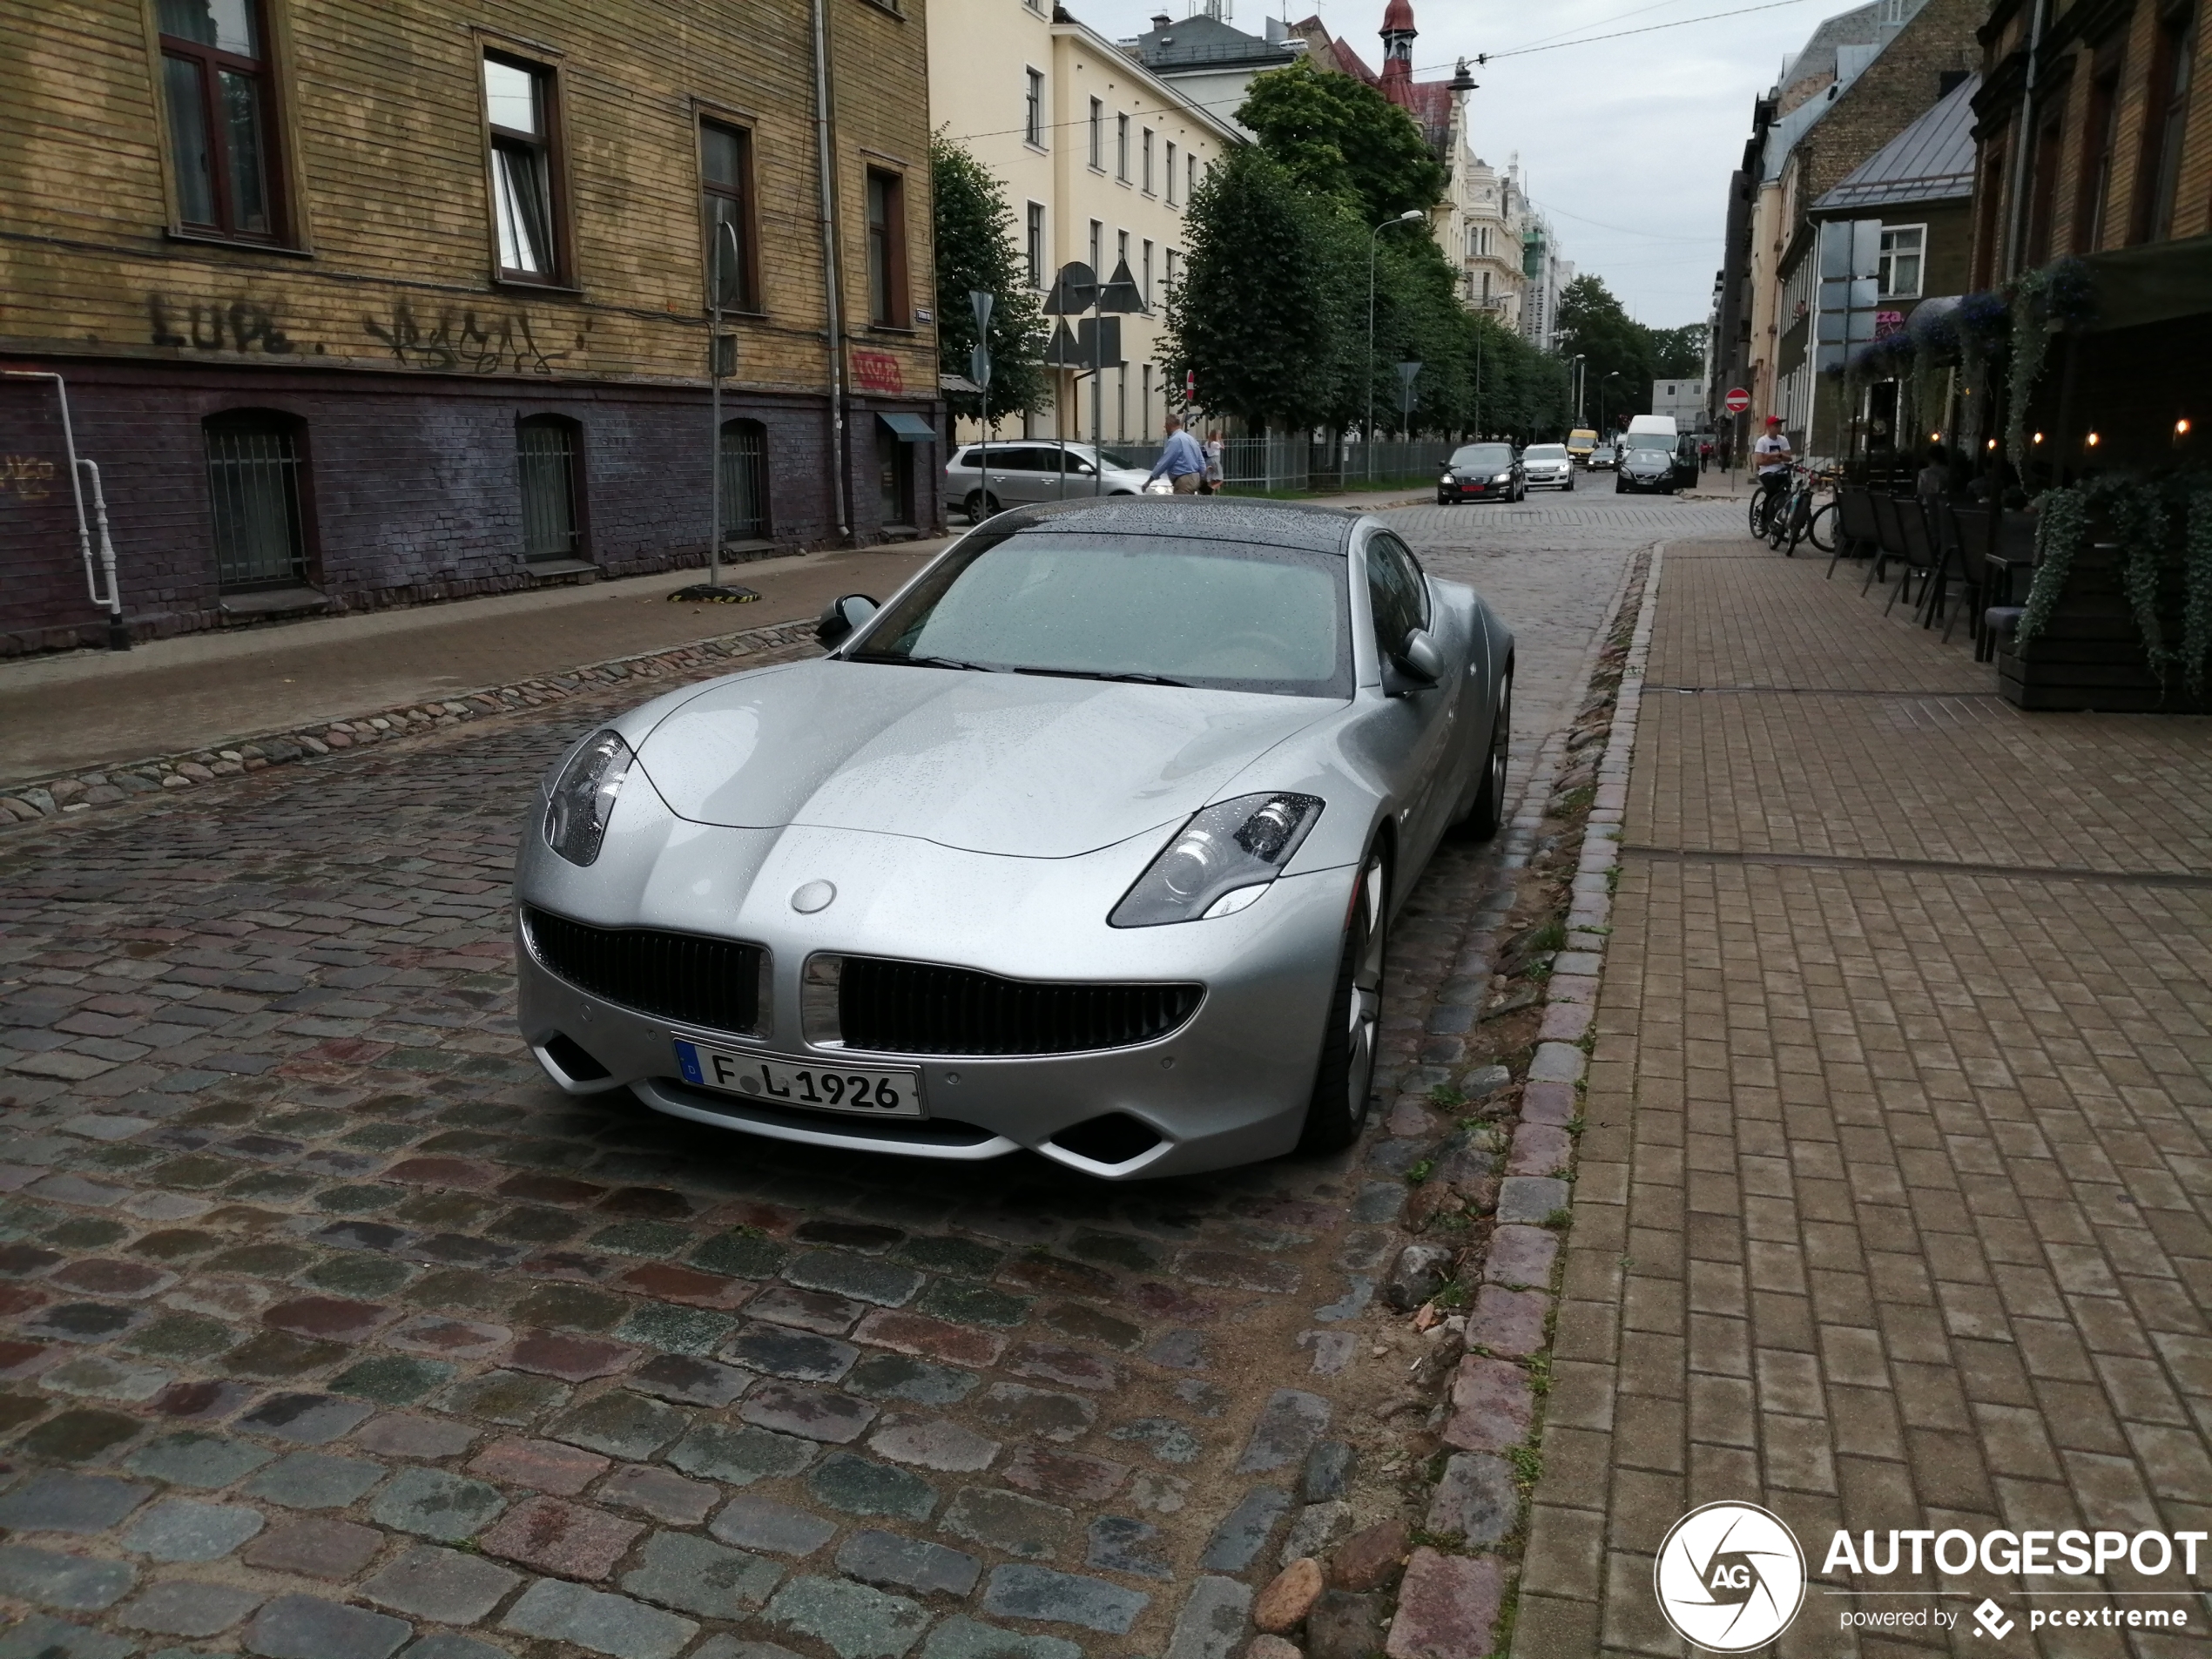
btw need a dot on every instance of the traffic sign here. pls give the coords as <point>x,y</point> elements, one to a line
<point>1738,400</point>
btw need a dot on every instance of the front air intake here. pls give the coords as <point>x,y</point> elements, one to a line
<point>920,1008</point>
<point>689,978</point>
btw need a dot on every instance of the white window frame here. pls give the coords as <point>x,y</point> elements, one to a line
<point>1884,266</point>
<point>1097,135</point>
<point>1144,147</point>
<point>1121,149</point>
<point>1038,252</point>
<point>1172,198</point>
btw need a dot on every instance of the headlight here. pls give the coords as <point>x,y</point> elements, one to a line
<point>1503,478</point>
<point>1220,861</point>
<point>582,796</point>
<point>1446,479</point>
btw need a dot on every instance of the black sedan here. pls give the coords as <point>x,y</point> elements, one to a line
<point>1647,462</point>
<point>1481,472</point>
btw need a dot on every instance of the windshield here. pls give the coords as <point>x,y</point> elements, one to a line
<point>1544,452</point>
<point>1226,615</point>
<point>1650,441</point>
<point>1111,457</point>
<point>1478,455</point>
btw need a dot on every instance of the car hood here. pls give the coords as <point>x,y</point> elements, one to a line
<point>1023,765</point>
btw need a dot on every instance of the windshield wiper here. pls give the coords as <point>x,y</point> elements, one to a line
<point>1100,674</point>
<point>921,661</point>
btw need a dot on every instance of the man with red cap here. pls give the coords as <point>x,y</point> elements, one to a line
<point>1770,455</point>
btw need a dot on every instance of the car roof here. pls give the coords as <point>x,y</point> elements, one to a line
<point>1219,518</point>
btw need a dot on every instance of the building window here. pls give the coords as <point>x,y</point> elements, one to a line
<point>1121,148</point>
<point>886,249</point>
<point>2101,139</point>
<point>1145,148</point>
<point>1898,266</point>
<point>518,104</point>
<point>726,166</point>
<point>1145,287</point>
<point>1097,136</point>
<point>1173,259</point>
<point>216,84</point>
<point>1121,250</point>
<point>1033,110</point>
<point>1035,249</point>
<point>546,449</point>
<point>254,488</point>
<point>1171,173</point>
<point>2165,116</point>
<point>745,480</point>
<point>1097,248</point>
<point>1189,176</point>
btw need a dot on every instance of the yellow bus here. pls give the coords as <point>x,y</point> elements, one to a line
<point>1580,443</point>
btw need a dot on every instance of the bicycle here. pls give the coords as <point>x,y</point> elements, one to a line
<point>1798,519</point>
<point>1763,500</point>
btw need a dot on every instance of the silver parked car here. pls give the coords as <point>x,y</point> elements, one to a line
<point>1545,466</point>
<point>1025,471</point>
<point>1087,841</point>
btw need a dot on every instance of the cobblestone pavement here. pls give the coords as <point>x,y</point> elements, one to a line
<point>331,1329</point>
<point>1895,1179</point>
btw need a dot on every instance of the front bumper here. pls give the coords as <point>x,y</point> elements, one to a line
<point>1228,1087</point>
<point>1461,491</point>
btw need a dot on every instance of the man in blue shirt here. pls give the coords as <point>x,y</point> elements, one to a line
<point>1180,459</point>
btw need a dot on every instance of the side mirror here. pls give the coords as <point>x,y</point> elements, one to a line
<point>1417,666</point>
<point>841,616</point>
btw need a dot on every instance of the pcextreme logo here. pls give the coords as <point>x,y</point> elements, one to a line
<point>1729,1577</point>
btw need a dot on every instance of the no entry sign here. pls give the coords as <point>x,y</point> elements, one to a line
<point>1738,400</point>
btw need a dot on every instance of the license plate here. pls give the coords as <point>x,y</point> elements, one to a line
<point>863,1091</point>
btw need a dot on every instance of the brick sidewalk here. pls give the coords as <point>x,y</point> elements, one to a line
<point>1895,1179</point>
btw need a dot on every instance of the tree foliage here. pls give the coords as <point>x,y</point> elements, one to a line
<point>1341,138</point>
<point>1592,323</point>
<point>976,249</point>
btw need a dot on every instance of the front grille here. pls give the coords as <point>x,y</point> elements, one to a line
<point>710,982</point>
<point>915,1007</point>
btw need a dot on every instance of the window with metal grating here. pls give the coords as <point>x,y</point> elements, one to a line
<point>687,977</point>
<point>918,1007</point>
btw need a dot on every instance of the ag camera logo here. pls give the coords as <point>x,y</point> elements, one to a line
<point>1729,1577</point>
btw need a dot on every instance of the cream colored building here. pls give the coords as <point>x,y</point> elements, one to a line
<point>1099,157</point>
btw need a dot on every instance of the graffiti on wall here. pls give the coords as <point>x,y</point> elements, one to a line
<point>202,325</point>
<point>876,371</point>
<point>27,476</point>
<point>461,340</point>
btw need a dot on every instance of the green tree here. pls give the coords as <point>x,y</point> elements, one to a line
<point>1593,324</point>
<point>1678,353</point>
<point>976,249</point>
<point>1258,313</point>
<point>1341,138</point>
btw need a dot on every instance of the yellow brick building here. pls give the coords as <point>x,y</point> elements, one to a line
<point>361,301</point>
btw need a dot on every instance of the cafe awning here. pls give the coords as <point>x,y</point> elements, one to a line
<point>909,428</point>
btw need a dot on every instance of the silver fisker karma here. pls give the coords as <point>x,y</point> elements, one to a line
<point>1086,842</point>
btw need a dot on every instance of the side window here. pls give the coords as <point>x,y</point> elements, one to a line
<point>1395,593</point>
<point>886,249</point>
<point>725,191</point>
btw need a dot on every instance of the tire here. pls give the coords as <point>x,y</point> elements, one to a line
<point>1620,487</point>
<point>1822,529</point>
<point>1486,812</point>
<point>1759,511</point>
<point>1569,485</point>
<point>977,498</point>
<point>1443,501</point>
<point>1338,1110</point>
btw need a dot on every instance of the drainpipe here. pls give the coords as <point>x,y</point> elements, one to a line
<point>2016,218</point>
<point>111,600</point>
<point>834,310</point>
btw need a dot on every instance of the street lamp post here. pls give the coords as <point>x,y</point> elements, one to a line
<point>1374,241</point>
<point>1604,430</point>
<point>1578,388</point>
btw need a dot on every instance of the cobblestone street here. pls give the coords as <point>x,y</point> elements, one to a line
<point>1891,1208</point>
<point>333,1328</point>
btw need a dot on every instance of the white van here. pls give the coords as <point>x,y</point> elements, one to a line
<point>1653,423</point>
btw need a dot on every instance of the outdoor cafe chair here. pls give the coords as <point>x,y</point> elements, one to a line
<point>1857,536</point>
<point>1920,549</point>
<point>1889,537</point>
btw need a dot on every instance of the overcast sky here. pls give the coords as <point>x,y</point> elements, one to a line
<point>1627,143</point>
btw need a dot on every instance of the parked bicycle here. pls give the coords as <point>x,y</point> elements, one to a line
<point>1784,517</point>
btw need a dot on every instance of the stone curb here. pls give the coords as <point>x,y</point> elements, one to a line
<point>73,793</point>
<point>1491,1407</point>
<point>1589,920</point>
